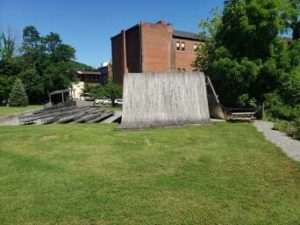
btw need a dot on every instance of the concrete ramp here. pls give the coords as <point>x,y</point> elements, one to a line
<point>164,99</point>
<point>215,108</point>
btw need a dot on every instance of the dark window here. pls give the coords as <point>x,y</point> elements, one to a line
<point>183,70</point>
<point>178,69</point>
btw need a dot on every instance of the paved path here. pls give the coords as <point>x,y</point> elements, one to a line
<point>288,145</point>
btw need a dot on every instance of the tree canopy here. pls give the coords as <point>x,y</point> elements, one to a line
<point>247,56</point>
<point>44,64</point>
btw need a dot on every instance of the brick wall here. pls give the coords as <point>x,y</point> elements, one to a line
<point>156,47</point>
<point>133,49</point>
<point>118,58</point>
<point>184,59</point>
<point>149,47</point>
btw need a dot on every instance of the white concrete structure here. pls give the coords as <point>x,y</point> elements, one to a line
<point>77,90</point>
<point>164,99</point>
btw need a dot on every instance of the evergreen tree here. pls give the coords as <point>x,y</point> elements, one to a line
<point>18,96</point>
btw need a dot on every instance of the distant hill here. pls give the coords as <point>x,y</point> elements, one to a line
<point>81,66</point>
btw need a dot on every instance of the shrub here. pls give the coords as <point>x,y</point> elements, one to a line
<point>275,108</point>
<point>291,128</point>
<point>280,125</point>
<point>18,96</point>
<point>297,131</point>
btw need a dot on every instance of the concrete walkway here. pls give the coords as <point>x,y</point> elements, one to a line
<point>288,145</point>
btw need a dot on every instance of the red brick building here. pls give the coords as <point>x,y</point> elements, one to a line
<point>148,47</point>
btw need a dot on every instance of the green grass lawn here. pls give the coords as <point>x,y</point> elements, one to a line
<point>93,174</point>
<point>7,110</point>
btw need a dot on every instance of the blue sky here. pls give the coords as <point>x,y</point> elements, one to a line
<point>87,25</point>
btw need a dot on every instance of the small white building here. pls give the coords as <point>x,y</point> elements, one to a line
<point>77,90</point>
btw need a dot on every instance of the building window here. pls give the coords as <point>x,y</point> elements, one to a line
<point>182,46</point>
<point>178,45</point>
<point>195,47</point>
<point>178,69</point>
<point>183,69</point>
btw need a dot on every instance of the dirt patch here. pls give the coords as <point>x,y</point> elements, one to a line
<point>49,138</point>
<point>128,142</point>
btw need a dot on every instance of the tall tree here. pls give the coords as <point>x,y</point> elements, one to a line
<point>31,36</point>
<point>248,27</point>
<point>34,85</point>
<point>51,42</point>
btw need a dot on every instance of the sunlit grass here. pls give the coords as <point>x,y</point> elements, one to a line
<point>7,110</point>
<point>94,174</point>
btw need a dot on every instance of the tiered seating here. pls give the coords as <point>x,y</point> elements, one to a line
<point>69,114</point>
<point>101,117</point>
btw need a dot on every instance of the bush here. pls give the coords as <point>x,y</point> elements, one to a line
<point>292,129</point>
<point>280,126</point>
<point>276,108</point>
<point>297,131</point>
<point>18,96</point>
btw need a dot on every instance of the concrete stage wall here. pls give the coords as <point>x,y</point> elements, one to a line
<point>164,99</point>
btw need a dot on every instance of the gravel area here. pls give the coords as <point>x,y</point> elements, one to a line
<point>13,118</point>
<point>288,145</point>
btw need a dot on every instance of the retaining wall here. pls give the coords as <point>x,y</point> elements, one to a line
<point>164,99</point>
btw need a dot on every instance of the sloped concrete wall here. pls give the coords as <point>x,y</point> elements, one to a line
<point>164,99</point>
<point>215,108</point>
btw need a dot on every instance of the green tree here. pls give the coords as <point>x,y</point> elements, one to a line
<point>247,59</point>
<point>93,91</point>
<point>51,42</point>
<point>17,96</point>
<point>9,62</point>
<point>49,61</point>
<point>7,44</point>
<point>34,86</point>
<point>32,49</point>
<point>248,27</point>
<point>112,91</point>
<point>58,76</point>
<point>6,84</point>
<point>31,37</point>
<point>244,55</point>
<point>44,64</point>
<point>292,18</point>
<point>63,53</point>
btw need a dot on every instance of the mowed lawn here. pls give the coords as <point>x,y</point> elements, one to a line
<point>7,110</point>
<point>94,174</point>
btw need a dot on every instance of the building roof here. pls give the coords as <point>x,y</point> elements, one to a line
<point>187,35</point>
<point>176,33</point>
<point>88,72</point>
